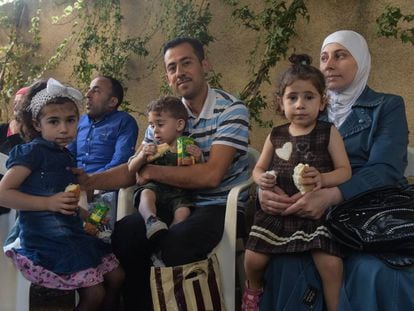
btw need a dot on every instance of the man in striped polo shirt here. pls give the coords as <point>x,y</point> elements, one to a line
<point>219,124</point>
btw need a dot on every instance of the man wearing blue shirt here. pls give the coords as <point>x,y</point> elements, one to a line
<point>106,136</point>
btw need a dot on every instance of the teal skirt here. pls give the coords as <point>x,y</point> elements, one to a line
<point>292,283</point>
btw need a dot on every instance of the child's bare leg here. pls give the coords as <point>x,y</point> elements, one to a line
<point>181,214</point>
<point>330,269</point>
<point>147,206</point>
<point>113,282</point>
<point>91,298</point>
<point>148,211</point>
<point>254,266</point>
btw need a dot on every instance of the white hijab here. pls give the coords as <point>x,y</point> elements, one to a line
<point>340,103</point>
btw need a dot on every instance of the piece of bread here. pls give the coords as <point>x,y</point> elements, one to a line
<point>74,188</point>
<point>161,150</point>
<point>297,178</point>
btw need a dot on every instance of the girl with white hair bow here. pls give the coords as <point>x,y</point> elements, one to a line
<point>375,132</point>
<point>54,250</point>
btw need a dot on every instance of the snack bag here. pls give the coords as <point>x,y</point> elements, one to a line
<point>183,157</point>
<point>95,223</point>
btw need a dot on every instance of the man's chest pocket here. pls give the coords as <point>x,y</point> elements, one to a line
<point>105,136</point>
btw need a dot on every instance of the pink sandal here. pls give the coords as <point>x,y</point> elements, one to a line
<point>251,299</point>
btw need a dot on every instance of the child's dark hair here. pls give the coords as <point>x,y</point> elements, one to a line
<point>25,116</point>
<point>301,69</point>
<point>170,104</point>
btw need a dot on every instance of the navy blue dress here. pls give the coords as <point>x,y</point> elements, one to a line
<point>52,240</point>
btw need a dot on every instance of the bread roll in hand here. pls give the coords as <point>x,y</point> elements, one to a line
<point>74,188</point>
<point>161,150</point>
<point>298,172</point>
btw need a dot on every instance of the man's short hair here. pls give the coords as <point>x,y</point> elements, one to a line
<point>169,104</point>
<point>117,89</point>
<point>195,43</point>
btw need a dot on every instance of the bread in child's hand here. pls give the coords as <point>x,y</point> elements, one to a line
<point>297,178</point>
<point>74,188</point>
<point>161,150</point>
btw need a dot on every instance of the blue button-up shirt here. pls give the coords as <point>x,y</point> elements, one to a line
<point>106,143</point>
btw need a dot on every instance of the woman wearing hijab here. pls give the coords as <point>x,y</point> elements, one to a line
<point>375,132</point>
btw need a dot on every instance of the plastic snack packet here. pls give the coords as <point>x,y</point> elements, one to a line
<point>183,157</point>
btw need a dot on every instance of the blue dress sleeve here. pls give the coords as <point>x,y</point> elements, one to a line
<point>26,154</point>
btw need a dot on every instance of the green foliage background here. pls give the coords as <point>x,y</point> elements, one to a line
<point>97,42</point>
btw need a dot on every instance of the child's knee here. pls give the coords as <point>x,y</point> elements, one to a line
<point>330,266</point>
<point>255,261</point>
<point>147,194</point>
<point>115,278</point>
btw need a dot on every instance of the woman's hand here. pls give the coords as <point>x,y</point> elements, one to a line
<point>63,202</point>
<point>314,204</point>
<point>275,201</point>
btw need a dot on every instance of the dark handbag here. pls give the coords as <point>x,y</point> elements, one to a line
<point>380,221</point>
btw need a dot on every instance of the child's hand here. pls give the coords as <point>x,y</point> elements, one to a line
<point>195,151</point>
<point>90,229</point>
<point>63,202</point>
<point>137,161</point>
<point>312,176</point>
<point>267,180</point>
<point>149,149</point>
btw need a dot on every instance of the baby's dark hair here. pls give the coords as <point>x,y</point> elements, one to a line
<point>25,116</point>
<point>170,104</point>
<point>301,69</point>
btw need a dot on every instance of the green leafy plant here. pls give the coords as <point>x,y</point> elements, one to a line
<point>20,55</point>
<point>100,46</point>
<point>275,27</point>
<point>393,23</point>
<point>187,18</point>
<point>16,67</point>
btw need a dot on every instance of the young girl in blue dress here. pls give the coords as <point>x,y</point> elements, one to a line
<point>55,251</point>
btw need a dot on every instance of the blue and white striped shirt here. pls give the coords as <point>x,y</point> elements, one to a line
<point>224,120</point>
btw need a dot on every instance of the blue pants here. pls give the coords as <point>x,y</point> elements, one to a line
<point>293,284</point>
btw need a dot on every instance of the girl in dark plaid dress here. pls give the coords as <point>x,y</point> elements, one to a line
<point>305,140</point>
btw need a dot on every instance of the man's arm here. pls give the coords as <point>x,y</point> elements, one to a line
<point>197,176</point>
<point>114,178</point>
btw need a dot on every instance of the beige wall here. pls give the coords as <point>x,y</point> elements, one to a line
<point>392,61</point>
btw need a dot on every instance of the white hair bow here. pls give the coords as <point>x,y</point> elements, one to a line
<point>53,90</point>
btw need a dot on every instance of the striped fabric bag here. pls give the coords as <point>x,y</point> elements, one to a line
<point>192,287</point>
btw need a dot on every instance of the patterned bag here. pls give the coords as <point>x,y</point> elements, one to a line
<point>191,287</point>
<point>378,221</point>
